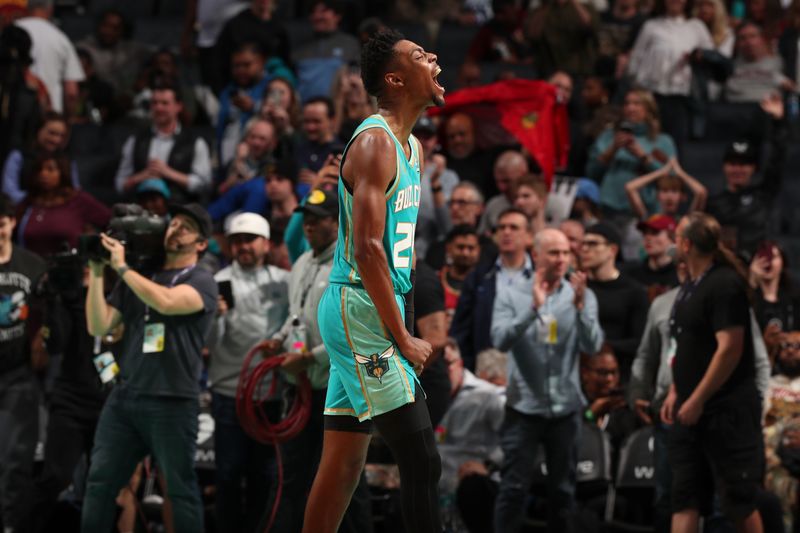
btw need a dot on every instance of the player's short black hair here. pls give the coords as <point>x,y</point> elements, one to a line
<point>376,55</point>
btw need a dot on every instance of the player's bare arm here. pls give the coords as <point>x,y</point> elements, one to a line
<point>369,169</point>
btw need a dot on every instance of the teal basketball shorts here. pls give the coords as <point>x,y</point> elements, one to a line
<point>368,375</point>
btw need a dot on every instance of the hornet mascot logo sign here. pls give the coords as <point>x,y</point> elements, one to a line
<point>376,365</point>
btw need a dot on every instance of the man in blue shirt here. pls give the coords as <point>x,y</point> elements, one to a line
<point>544,323</point>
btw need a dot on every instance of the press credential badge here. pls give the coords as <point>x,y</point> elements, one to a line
<point>153,338</point>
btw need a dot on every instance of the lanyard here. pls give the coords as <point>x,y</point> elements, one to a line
<point>684,294</point>
<point>171,284</point>
<point>307,288</point>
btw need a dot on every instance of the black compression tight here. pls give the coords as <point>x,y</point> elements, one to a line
<point>408,433</point>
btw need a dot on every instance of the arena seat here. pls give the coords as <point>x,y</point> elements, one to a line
<point>728,121</point>
<point>416,32</point>
<point>703,160</point>
<point>635,480</point>
<point>452,44</point>
<point>96,174</point>
<point>76,27</point>
<point>594,477</point>
<point>133,9</point>
<point>159,31</point>
<point>299,32</point>
<point>491,71</point>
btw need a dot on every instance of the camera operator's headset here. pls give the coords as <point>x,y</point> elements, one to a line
<point>254,419</point>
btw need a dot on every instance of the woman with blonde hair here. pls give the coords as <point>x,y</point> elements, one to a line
<point>714,15</point>
<point>632,147</point>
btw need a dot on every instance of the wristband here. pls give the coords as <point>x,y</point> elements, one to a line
<point>588,415</point>
<point>121,271</point>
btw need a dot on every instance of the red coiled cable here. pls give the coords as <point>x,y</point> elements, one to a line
<point>253,418</point>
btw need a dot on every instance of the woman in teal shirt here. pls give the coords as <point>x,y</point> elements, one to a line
<point>633,147</point>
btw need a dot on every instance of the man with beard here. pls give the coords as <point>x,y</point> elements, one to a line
<point>258,307</point>
<point>463,251</point>
<point>713,404</point>
<point>167,314</point>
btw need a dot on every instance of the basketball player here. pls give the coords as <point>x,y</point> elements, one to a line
<point>361,315</point>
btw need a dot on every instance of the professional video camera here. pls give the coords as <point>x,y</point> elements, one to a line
<point>140,231</point>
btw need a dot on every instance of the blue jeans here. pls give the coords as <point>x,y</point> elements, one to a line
<point>131,426</point>
<point>239,457</point>
<point>520,437</point>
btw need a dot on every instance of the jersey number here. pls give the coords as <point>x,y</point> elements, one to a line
<point>407,229</point>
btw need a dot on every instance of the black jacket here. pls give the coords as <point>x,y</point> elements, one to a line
<point>748,212</point>
<point>472,322</point>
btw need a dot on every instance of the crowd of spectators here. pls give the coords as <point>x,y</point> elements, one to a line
<point>544,327</point>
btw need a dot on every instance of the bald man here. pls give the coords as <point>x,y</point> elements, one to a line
<point>508,168</point>
<point>544,323</point>
<point>463,155</point>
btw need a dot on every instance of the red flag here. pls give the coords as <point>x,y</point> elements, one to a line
<point>524,109</point>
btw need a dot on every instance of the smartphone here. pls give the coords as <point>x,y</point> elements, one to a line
<point>625,127</point>
<point>354,68</point>
<point>226,291</point>
<point>766,250</point>
<point>274,97</point>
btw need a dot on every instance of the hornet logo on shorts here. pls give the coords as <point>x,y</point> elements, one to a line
<point>377,365</point>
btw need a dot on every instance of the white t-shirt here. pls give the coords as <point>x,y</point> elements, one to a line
<point>658,59</point>
<point>212,16</point>
<point>54,58</point>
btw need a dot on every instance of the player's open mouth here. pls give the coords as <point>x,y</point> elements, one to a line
<point>436,76</point>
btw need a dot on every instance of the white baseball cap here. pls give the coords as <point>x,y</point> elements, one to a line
<point>251,223</point>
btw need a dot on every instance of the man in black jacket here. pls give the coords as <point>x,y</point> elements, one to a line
<point>743,208</point>
<point>472,323</point>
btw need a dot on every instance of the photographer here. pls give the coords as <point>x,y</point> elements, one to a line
<point>78,392</point>
<point>154,409</point>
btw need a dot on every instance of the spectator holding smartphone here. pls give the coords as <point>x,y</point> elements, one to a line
<point>253,154</point>
<point>631,148</point>
<point>259,307</point>
<point>775,300</point>
<point>282,108</point>
<point>607,407</point>
<point>241,99</point>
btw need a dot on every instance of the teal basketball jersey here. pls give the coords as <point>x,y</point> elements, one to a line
<point>402,206</point>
